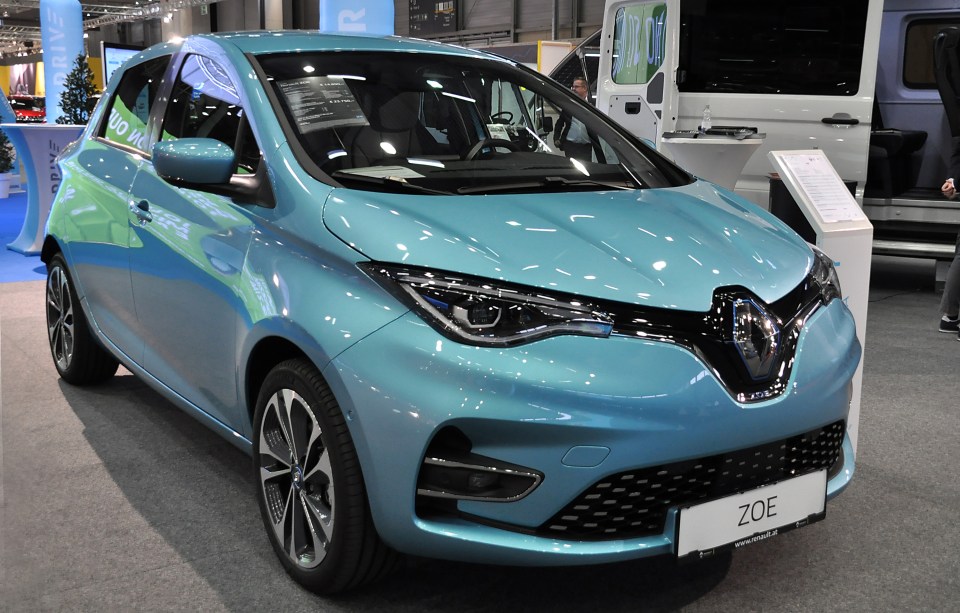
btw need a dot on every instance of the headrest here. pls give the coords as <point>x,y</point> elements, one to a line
<point>400,113</point>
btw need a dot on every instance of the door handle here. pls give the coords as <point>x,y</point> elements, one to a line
<point>840,121</point>
<point>142,211</point>
<point>631,108</point>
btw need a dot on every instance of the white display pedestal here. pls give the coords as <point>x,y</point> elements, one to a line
<point>843,232</point>
<point>719,159</point>
<point>38,146</point>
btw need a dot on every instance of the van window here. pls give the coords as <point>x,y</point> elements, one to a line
<point>639,40</point>
<point>806,47</point>
<point>918,70</point>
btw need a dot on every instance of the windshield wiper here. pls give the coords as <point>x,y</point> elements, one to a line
<point>400,182</point>
<point>559,182</point>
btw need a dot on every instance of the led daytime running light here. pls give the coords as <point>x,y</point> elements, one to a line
<point>487,313</point>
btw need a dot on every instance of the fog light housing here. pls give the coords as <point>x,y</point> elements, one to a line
<point>466,476</point>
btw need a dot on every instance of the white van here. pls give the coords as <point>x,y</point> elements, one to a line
<point>807,74</point>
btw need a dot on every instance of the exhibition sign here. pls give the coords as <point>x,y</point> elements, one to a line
<point>38,146</point>
<point>353,16</point>
<point>61,33</point>
<point>113,56</point>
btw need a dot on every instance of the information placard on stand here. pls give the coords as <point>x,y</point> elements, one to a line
<point>843,232</point>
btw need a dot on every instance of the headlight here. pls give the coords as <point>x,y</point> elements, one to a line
<point>488,313</point>
<point>825,275</point>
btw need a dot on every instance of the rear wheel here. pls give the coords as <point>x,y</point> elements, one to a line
<point>78,356</point>
<point>309,485</point>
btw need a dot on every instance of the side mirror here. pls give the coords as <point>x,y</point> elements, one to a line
<point>546,124</point>
<point>198,161</point>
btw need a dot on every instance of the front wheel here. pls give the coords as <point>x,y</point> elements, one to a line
<point>309,484</point>
<point>78,356</point>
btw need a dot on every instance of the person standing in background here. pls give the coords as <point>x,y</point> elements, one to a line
<point>950,303</point>
<point>571,135</point>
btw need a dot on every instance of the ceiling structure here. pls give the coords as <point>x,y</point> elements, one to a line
<point>20,19</point>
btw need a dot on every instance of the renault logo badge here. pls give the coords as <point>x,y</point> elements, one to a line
<point>757,338</point>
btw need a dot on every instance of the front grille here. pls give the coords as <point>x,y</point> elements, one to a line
<point>635,503</point>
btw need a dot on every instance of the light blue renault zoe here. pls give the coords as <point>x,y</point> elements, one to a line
<point>364,261</point>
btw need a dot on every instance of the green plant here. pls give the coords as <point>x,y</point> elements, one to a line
<point>6,154</point>
<point>79,94</point>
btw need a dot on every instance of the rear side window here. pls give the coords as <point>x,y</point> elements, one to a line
<point>126,119</point>
<point>806,47</point>
<point>918,71</point>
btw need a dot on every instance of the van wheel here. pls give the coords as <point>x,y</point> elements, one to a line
<point>309,485</point>
<point>77,354</point>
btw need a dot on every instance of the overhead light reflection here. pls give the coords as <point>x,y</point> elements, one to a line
<point>579,166</point>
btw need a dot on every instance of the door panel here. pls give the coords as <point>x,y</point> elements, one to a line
<point>187,252</point>
<point>188,248</point>
<point>98,234</point>
<point>788,122</point>
<point>638,62</point>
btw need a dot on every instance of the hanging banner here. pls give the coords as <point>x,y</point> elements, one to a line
<point>357,17</point>
<point>61,33</point>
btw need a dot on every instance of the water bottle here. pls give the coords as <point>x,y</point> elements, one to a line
<point>707,122</point>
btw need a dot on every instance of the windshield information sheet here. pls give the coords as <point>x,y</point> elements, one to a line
<point>321,102</point>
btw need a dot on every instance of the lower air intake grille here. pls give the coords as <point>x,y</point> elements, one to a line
<point>635,503</point>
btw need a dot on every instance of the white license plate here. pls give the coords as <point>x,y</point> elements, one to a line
<point>752,516</point>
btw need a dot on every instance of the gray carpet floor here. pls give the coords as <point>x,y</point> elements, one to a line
<point>113,500</point>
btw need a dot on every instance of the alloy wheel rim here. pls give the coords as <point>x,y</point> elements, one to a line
<point>296,478</point>
<point>60,320</point>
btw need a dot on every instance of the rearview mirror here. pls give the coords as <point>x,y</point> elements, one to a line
<point>198,161</point>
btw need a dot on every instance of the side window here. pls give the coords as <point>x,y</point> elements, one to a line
<point>205,103</point>
<point>803,47</point>
<point>507,106</point>
<point>918,71</point>
<point>639,39</point>
<point>129,109</point>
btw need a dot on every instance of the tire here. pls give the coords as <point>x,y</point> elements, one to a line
<point>315,480</point>
<point>78,356</point>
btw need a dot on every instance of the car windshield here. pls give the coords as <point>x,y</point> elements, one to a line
<point>447,124</point>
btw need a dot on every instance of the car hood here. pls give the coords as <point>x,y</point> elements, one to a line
<point>657,247</point>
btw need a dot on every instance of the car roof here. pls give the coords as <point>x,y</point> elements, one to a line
<point>273,41</point>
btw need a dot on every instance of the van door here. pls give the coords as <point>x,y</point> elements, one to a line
<point>638,61</point>
<point>802,72</point>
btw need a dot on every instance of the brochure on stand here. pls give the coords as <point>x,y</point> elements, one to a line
<point>812,175</point>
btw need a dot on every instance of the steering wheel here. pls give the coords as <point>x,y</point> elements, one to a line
<point>505,117</point>
<point>489,143</point>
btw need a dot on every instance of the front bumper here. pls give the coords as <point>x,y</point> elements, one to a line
<point>575,409</point>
